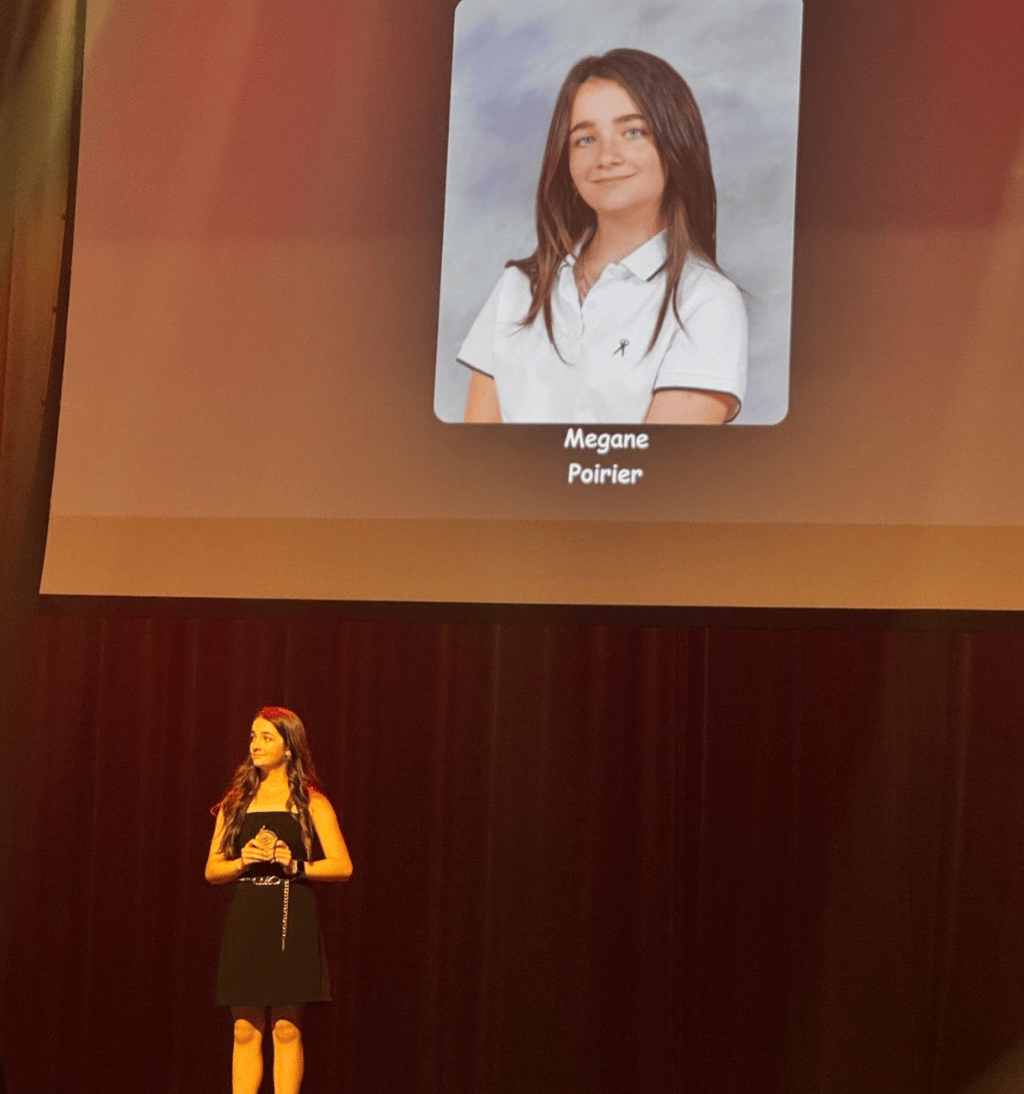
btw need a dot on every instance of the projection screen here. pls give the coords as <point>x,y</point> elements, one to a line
<point>288,214</point>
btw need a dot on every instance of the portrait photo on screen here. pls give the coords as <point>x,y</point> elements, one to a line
<point>619,211</point>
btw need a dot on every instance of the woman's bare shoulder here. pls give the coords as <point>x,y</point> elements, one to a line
<point>319,803</point>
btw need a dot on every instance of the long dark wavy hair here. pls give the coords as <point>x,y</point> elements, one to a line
<point>689,206</point>
<point>302,780</point>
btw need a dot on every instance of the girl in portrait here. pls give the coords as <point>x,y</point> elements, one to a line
<point>272,962</point>
<point>621,314</point>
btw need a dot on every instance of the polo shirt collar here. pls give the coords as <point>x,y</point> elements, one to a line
<point>648,258</point>
<point>644,262</point>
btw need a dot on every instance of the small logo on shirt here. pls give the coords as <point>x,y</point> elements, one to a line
<point>622,347</point>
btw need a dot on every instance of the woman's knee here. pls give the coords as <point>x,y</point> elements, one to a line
<point>286,1032</point>
<point>246,1033</point>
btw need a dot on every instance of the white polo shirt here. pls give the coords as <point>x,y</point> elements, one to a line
<point>604,374</point>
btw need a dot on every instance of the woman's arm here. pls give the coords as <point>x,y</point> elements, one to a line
<point>336,865</point>
<point>220,869</point>
<point>482,399</point>
<point>679,406</point>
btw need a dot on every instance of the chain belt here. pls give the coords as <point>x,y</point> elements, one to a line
<point>275,879</point>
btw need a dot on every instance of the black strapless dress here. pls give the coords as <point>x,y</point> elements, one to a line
<point>272,953</point>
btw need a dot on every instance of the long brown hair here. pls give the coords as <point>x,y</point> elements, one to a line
<point>689,205</point>
<point>302,780</point>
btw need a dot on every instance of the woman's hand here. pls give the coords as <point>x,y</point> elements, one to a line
<point>253,852</point>
<point>282,854</point>
<point>220,869</point>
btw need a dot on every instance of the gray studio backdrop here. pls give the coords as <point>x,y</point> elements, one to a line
<point>742,60</point>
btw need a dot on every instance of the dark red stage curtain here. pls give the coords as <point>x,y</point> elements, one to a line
<point>588,859</point>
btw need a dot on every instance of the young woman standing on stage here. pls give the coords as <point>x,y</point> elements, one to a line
<point>272,956</point>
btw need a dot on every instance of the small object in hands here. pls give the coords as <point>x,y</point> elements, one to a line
<point>265,839</point>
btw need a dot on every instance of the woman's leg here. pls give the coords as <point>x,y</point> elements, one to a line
<point>286,1025</point>
<point>247,1057</point>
